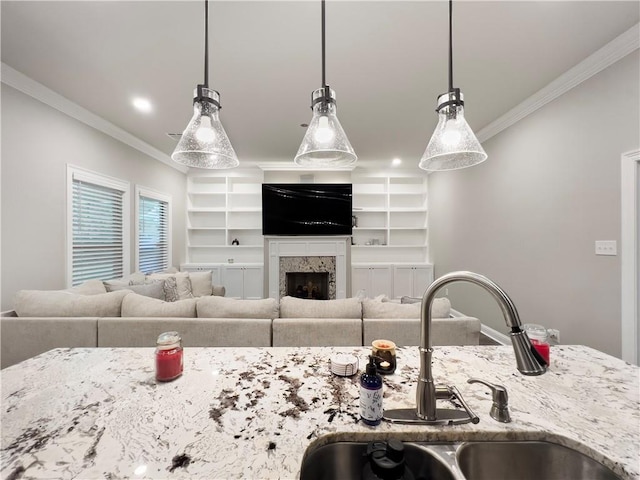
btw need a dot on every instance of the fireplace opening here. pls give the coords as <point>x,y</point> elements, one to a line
<point>308,285</point>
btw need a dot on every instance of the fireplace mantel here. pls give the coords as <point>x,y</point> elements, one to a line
<point>330,246</point>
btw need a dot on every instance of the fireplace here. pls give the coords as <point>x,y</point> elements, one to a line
<point>308,285</point>
<point>321,271</point>
<point>327,255</point>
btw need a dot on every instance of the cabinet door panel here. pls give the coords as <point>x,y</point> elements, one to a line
<point>253,283</point>
<point>234,282</point>
<point>380,281</point>
<point>402,281</point>
<point>359,280</point>
<point>422,278</point>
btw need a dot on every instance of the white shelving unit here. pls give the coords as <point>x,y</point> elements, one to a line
<point>391,213</point>
<point>222,210</point>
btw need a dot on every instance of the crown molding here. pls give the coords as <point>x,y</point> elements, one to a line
<point>36,90</point>
<point>290,166</point>
<point>615,50</point>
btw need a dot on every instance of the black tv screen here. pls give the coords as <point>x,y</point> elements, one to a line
<point>306,208</point>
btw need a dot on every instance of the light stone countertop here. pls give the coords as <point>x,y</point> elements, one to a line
<point>252,412</point>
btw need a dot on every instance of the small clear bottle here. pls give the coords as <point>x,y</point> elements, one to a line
<point>169,356</point>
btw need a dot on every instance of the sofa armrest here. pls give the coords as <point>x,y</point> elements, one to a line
<point>403,332</point>
<point>26,337</point>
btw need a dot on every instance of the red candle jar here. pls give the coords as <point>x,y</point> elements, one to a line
<point>169,360</point>
<point>539,339</point>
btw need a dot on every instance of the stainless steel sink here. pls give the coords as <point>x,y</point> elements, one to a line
<point>347,460</point>
<point>494,460</point>
<point>527,460</point>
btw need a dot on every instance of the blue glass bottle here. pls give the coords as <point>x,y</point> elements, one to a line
<point>371,395</point>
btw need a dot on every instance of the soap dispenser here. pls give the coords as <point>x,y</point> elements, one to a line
<point>371,394</point>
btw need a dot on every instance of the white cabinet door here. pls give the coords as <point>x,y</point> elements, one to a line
<point>402,281</point>
<point>380,281</point>
<point>422,278</point>
<point>234,282</point>
<point>253,283</point>
<point>373,279</point>
<point>359,280</point>
<point>243,282</point>
<point>411,281</point>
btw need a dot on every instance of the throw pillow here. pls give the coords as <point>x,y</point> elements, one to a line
<point>221,307</point>
<point>152,290</point>
<point>39,303</point>
<point>135,305</point>
<point>201,285</point>
<point>183,282</point>
<point>291,307</point>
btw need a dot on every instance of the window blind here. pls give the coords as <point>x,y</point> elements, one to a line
<point>153,235</point>
<point>98,232</point>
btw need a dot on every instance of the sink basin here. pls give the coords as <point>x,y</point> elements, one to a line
<point>492,460</point>
<point>527,460</point>
<point>347,460</point>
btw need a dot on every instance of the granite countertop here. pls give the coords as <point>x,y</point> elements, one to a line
<point>252,412</point>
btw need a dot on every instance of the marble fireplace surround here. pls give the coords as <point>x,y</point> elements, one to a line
<point>307,254</point>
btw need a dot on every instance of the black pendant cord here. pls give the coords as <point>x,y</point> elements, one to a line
<point>324,83</point>
<point>450,46</point>
<point>206,43</point>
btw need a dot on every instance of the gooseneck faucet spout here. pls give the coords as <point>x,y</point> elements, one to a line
<point>528,361</point>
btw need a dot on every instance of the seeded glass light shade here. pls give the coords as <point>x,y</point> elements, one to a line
<point>325,144</point>
<point>453,144</point>
<point>204,143</point>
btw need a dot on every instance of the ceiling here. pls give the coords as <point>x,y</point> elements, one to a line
<point>386,60</point>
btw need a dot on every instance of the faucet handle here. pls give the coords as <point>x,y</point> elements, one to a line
<point>500,407</point>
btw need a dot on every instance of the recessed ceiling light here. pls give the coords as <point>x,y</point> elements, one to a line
<point>396,161</point>
<point>142,104</point>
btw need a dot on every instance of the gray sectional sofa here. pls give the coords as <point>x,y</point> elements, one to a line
<point>123,318</point>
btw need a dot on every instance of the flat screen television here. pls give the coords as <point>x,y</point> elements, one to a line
<point>306,208</point>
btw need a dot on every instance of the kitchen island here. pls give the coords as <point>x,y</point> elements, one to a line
<point>252,412</point>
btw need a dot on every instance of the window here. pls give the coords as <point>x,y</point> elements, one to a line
<point>153,230</point>
<point>97,226</point>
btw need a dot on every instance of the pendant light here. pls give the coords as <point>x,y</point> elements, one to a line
<point>325,145</point>
<point>204,143</point>
<point>453,144</point>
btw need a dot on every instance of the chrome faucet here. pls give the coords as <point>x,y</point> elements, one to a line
<point>528,361</point>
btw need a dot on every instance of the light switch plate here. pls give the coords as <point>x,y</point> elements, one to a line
<point>606,247</point>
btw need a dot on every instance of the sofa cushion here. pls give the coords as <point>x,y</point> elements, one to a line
<point>440,308</point>
<point>201,285</point>
<point>153,289</point>
<point>41,303</point>
<point>317,332</point>
<point>195,332</point>
<point>406,331</point>
<point>291,307</point>
<point>221,307</point>
<point>218,290</point>
<point>135,305</point>
<point>183,283</point>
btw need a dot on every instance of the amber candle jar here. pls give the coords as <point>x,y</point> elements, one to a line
<point>169,360</point>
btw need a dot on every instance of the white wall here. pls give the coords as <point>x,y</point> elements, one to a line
<point>529,216</point>
<point>37,143</point>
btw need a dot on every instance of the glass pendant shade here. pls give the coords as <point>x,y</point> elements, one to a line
<point>453,144</point>
<point>204,143</point>
<point>325,145</point>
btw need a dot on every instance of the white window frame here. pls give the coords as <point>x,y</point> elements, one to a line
<point>141,191</point>
<point>78,173</point>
